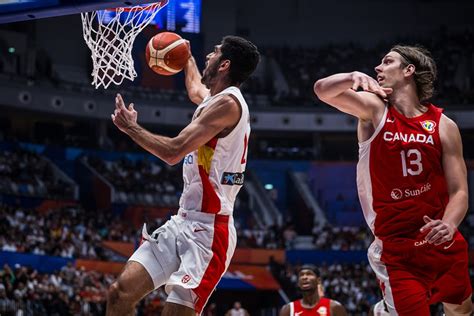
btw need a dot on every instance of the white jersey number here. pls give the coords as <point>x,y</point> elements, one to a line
<point>414,159</point>
<point>244,160</point>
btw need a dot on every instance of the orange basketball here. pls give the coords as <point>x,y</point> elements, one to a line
<point>167,53</point>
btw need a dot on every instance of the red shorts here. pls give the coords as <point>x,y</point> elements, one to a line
<point>414,274</point>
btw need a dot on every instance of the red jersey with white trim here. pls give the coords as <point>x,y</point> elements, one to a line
<point>400,175</point>
<point>323,308</point>
<point>214,173</point>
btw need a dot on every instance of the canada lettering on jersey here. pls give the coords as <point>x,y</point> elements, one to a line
<point>408,138</point>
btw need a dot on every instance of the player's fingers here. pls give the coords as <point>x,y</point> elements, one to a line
<point>431,233</point>
<point>375,88</point>
<point>365,84</point>
<point>427,219</point>
<point>356,84</point>
<point>119,99</point>
<point>436,237</point>
<point>427,226</point>
<point>117,102</point>
<point>387,90</point>
<point>442,240</point>
<point>380,90</point>
<point>113,117</point>
<point>130,107</point>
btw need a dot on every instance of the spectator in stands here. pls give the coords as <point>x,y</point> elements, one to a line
<point>354,285</point>
<point>237,310</point>
<point>312,302</point>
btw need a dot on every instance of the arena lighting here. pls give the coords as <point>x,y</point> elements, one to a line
<point>268,186</point>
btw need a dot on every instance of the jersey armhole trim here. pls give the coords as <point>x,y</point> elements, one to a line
<point>378,129</point>
<point>236,99</point>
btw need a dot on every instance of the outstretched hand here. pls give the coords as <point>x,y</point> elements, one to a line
<point>438,232</point>
<point>124,117</point>
<point>369,84</point>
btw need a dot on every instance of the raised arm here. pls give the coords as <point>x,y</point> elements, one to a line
<point>223,113</point>
<point>196,90</point>
<point>339,91</point>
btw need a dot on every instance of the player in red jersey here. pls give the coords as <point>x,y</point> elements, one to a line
<point>412,182</point>
<point>312,303</point>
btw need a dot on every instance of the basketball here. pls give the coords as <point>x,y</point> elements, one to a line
<point>167,53</point>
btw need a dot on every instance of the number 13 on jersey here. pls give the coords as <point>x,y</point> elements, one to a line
<point>413,157</point>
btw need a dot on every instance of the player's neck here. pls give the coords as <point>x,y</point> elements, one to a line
<point>310,299</point>
<point>219,85</point>
<point>406,101</point>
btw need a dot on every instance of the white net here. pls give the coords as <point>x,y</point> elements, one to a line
<point>110,34</point>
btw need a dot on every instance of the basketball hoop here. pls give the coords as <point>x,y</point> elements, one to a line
<point>110,38</point>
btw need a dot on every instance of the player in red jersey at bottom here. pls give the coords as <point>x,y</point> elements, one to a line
<point>412,182</point>
<point>312,303</point>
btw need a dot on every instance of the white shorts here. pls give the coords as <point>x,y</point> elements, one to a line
<point>189,254</point>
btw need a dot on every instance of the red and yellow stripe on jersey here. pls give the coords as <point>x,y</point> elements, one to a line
<point>210,200</point>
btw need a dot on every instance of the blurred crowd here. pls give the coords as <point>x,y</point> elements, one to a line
<point>286,75</point>
<point>343,238</point>
<point>453,52</point>
<point>26,173</point>
<point>141,182</point>
<point>71,291</point>
<point>68,232</point>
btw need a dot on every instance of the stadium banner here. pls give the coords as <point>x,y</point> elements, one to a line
<point>139,214</point>
<point>325,256</point>
<point>241,255</point>
<point>248,277</point>
<point>107,267</point>
<point>257,256</point>
<point>124,249</point>
<point>40,204</point>
<point>43,264</point>
<point>238,277</point>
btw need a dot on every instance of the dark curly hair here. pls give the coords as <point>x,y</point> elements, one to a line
<point>425,68</point>
<point>243,56</point>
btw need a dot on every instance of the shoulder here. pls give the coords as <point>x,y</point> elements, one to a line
<point>377,106</point>
<point>445,123</point>
<point>227,101</point>
<point>222,107</point>
<point>334,303</point>
<point>448,130</point>
<point>337,308</point>
<point>372,100</point>
<point>285,310</point>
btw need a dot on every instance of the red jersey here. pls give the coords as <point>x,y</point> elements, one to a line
<point>400,175</point>
<point>323,308</point>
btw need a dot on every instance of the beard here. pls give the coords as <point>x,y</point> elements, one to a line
<point>209,73</point>
<point>309,289</point>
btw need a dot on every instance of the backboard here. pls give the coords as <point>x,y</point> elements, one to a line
<point>23,10</point>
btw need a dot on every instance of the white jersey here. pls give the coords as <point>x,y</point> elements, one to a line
<point>214,173</point>
<point>379,309</point>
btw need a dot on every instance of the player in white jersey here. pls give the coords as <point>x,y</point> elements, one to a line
<point>191,252</point>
